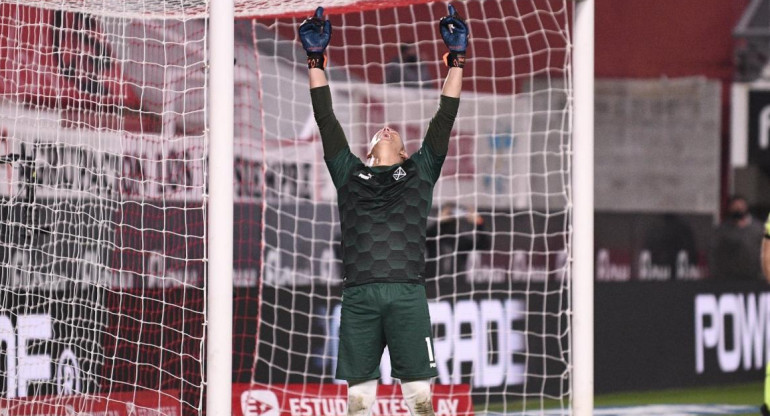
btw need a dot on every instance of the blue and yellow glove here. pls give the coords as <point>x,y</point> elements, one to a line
<point>454,31</point>
<point>315,34</point>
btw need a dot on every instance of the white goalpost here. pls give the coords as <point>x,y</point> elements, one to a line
<point>220,203</point>
<point>169,232</point>
<point>583,211</point>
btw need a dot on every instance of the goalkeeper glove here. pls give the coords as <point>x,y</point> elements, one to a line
<point>767,227</point>
<point>454,30</point>
<point>315,33</point>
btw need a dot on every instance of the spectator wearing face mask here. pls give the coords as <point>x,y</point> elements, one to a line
<point>737,244</point>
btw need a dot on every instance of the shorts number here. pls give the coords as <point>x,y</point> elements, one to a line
<point>430,349</point>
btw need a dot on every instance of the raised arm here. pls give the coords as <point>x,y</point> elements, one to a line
<point>453,83</point>
<point>315,34</point>
<point>454,31</point>
<point>317,78</point>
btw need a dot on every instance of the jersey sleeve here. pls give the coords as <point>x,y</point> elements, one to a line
<point>341,166</point>
<point>429,163</point>
<point>430,158</point>
<point>332,135</point>
<point>440,126</point>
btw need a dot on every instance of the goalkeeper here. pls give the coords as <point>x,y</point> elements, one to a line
<point>384,206</point>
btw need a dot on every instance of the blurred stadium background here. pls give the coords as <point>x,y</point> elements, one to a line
<point>103,223</point>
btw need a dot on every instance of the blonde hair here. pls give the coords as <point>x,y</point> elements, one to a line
<point>372,142</point>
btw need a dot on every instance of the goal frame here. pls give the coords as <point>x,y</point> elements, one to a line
<point>218,379</point>
<point>219,302</point>
<point>582,246</point>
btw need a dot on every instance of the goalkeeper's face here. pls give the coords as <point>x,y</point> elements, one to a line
<point>386,145</point>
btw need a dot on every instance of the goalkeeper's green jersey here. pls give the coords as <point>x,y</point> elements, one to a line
<point>383,210</point>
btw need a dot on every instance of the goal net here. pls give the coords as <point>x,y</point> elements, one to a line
<point>103,223</point>
<point>498,253</point>
<point>102,184</point>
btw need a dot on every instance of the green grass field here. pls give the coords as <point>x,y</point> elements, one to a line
<point>739,394</point>
<point>748,394</point>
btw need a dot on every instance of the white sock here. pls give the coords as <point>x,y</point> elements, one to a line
<point>418,397</point>
<point>361,397</point>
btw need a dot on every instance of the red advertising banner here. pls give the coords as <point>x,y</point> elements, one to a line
<point>331,400</point>
<point>248,400</point>
<point>116,404</point>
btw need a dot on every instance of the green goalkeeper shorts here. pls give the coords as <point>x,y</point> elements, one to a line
<point>376,315</point>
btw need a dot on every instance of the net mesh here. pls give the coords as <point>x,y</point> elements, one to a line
<point>103,241</point>
<point>103,144</point>
<point>497,256</point>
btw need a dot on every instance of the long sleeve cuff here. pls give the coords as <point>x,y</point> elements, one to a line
<point>321,98</point>
<point>450,105</point>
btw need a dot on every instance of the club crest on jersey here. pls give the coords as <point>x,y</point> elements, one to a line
<point>399,173</point>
